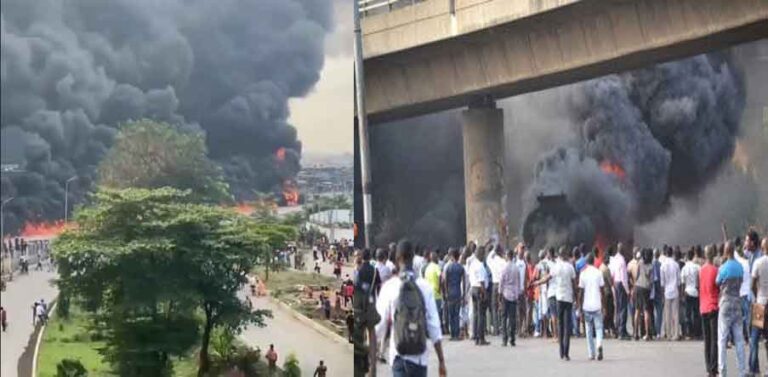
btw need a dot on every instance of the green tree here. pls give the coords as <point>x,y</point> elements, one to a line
<point>162,272</point>
<point>149,154</point>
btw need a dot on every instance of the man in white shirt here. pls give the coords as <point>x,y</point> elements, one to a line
<point>566,279</point>
<point>419,262</point>
<point>409,365</point>
<point>496,262</point>
<point>670,282</point>
<point>478,283</point>
<point>618,268</point>
<point>591,283</point>
<point>382,265</point>
<point>690,279</point>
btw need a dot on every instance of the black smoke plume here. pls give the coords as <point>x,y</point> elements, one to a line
<point>621,148</point>
<point>73,70</point>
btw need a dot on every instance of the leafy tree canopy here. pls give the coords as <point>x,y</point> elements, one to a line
<point>162,271</point>
<point>150,154</point>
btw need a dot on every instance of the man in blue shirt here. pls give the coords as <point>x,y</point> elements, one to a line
<point>729,278</point>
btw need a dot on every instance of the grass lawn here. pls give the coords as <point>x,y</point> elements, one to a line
<point>70,339</point>
<point>287,280</point>
<point>283,286</point>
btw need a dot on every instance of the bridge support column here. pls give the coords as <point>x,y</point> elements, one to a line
<point>483,134</point>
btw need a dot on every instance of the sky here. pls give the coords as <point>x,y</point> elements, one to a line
<point>324,117</point>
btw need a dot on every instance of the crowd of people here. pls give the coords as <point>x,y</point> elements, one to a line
<point>21,252</point>
<point>717,293</point>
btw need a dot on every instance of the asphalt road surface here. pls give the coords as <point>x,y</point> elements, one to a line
<point>540,358</point>
<point>291,336</point>
<point>17,299</point>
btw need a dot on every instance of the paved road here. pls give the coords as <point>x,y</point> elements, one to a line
<point>538,357</point>
<point>291,336</point>
<point>17,300</point>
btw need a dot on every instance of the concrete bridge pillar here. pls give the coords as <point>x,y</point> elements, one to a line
<point>483,134</point>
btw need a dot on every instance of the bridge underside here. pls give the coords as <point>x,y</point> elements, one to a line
<point>584,40</point>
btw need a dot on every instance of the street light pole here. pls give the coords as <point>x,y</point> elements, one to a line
<point>66,198</point>
<point>362,125</point>
<point>2,235</point>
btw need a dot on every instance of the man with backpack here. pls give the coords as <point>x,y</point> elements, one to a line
<point>407,306</point>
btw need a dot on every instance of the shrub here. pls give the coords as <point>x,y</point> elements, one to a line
<point>70,368</point>
<point>291,367</point>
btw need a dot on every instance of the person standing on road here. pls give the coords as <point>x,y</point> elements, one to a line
<point>608,308</point>
<point>496,262</point>
<point>3,318</point>
<point>729,278</point>
<point>408,351</point>
<point>752,253</point>
<point>690,279</point>
<point>670,281</point>
<point>618,267</point>
<point>271,357</point>
<point>453,281</point>
<point>566,280</point>
<point>509,292</point>
<point>478,281</point>
<point>522,302</point>
<point>760,292</point>
<point>591,283</point>
<point>642,291</point>
<point>432,276</point>
<point>708,307</point>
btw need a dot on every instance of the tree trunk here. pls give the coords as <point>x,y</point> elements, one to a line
<point>204,358</point>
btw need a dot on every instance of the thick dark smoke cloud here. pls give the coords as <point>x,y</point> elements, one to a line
<point>418,180</point>
<point>670,127</point>
<point>72,71</point>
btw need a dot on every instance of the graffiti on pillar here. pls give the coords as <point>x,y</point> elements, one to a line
<point>485,179</point>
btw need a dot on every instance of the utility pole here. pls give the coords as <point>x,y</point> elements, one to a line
<point>66,198</point>
<point>362,125</point>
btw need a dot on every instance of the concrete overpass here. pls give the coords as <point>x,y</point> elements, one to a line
<point>433,55</point>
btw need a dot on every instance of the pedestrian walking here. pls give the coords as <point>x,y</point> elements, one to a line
<point>407,308</point>
<point>591,283</point>
<point>271,357</point>
<point>321,370</point>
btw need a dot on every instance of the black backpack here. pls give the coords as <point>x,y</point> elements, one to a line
<point>410,324</point>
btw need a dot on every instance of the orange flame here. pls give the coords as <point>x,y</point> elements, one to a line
<point>244,209</point>
<point>612,168</point>
<point>43,230</point>
<point>601,243</point>
<point>280,154</point>
<point>290,193</point>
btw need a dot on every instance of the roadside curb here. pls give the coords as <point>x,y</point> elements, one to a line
<point>311,323</point>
